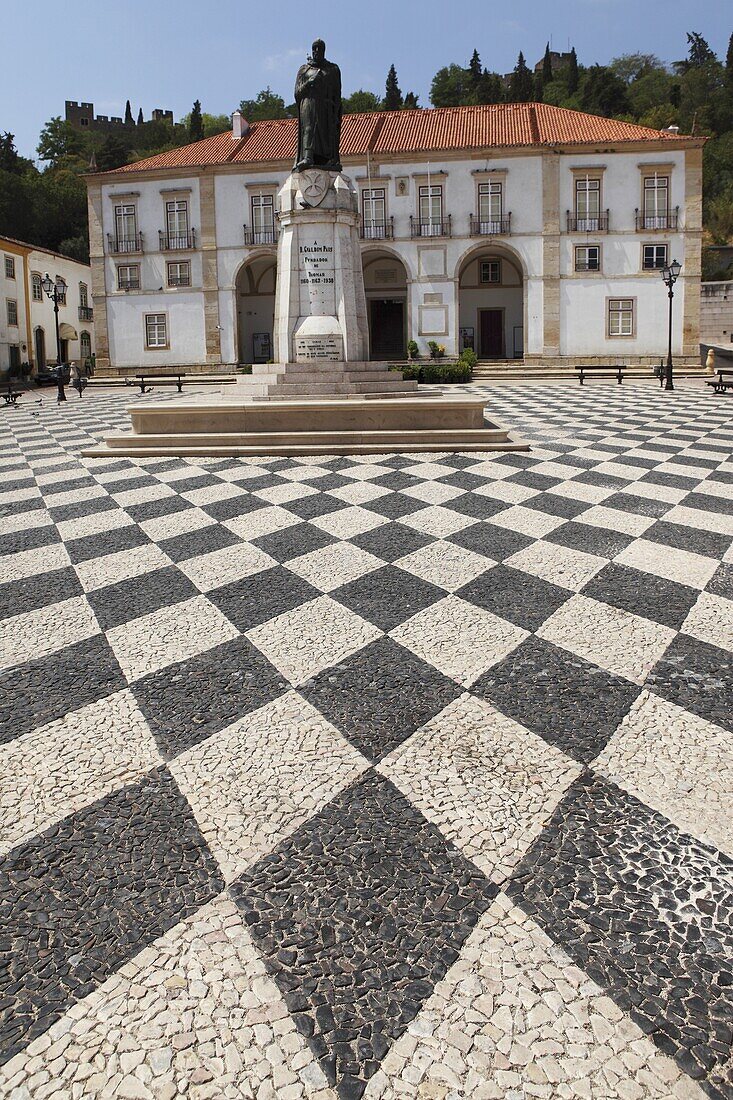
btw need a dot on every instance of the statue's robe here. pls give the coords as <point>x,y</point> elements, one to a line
<point>318,95</point>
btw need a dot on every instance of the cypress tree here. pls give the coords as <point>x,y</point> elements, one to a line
<point>410,103</point>
<point>547,66</point>
<point>129,120</point>
<point>140,118</point>
<point>521,83</point>
<point>729,62</point>
<point>393,96</point>
<point>474,67</point>
<point>572,72</point>
<point>196,124</point>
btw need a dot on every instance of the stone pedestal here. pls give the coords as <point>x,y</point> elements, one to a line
<point>320,305</point>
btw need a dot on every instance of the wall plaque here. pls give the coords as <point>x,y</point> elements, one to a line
<point>309,348</point>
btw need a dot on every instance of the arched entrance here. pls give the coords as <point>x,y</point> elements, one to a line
<point>385,283</point>
<point>491,304</point>
<point>39,339</point>
<point>255,309</point>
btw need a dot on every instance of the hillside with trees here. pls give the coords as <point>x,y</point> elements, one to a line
<point>44,202</point>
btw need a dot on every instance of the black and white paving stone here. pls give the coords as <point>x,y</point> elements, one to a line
<point>383,776</point>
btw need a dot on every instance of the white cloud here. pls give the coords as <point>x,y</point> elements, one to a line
<point>274,62</point>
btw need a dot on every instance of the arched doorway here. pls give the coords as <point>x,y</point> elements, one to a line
<point>255,309</point>
<point>491,304</point>
<point>39,339</point>
<point>385,283</point>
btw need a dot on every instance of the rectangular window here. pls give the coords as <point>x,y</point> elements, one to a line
<point>656,201</point>
<point>620,317</point>
<point>128,277</point>
<point>431,209</point>
<point>83,295</point>
<point>9,267</point>
<point>490,206</point>
<point>263,219</point>
<point>125,222</point>
<point>490,271</point>
<point>12,311</point>
<point>179,273</point>
<point>373,205</point>
<point>587,203</point>
<point>156,330</point>
<point>588,257</point>
<point>655,257</point>
<point>176,223</point>
<point>37,288</point>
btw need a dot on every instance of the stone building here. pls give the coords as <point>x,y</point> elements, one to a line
<point>27,322</point>
<point>526,231</point>
<point>82,117</point>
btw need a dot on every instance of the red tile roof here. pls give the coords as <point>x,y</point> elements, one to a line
<point>503,125</point>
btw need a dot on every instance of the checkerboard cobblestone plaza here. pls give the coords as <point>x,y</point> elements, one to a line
<point>393,776</point>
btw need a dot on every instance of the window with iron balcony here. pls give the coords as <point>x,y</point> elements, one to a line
<point>263,230</point>
<point>176,235</point>
<point>430,221</point>
<point>587,217</point>
<point>656,212</point>
<point>491,220</point>
<point>125,238</point>
<point>375,225</point>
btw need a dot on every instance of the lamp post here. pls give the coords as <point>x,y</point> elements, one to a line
<point>55,291</point>
<point>670,274</point>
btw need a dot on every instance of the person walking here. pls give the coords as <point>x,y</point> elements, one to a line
<point>77,379</point>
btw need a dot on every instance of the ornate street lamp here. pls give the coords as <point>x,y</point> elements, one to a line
<point>56,292</point>
<point>670,274</point>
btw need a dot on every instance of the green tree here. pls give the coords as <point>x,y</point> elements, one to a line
<point>196,122</point>
<point>699,52</point>
<point>129,120</point>
<point>490,88</point>
<point>632,66</point>
<point>602,93</point>
<point>411,102</point>
<point>572,73</point>
<point>361,102</point>
<point>266,104</point>
<point>10,158</point>
<point>77,248</point>
<point>547,66</point>
<point>392,94</point>
<point>59,140</point>
<point>140,118</point>
<point>450,87</point>
<point>729,62</point>
<point>521,82</point>
<point>215,124</point>
<point>653,89</point>
<point>474,68</point>
<point>113,153</point>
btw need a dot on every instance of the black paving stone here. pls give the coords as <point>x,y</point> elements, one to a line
<point>185,703</point>
<point>204,540</point>
<point>40,691</point>
<point>119,603</point>
<point>108,542</point>
<point>37,591</point>
<point>129,484</point>
<point>315,504</point>
<point>257,599</point>
<point>31,539</point>
<point>398,480</point>
<point>590,539</point>
<point>82,898</point>
<point>154,509</point>
<point>555,505</point>
<point>19,507</point>
<point>640,506</point>
<point>663,601</point>
<point>475,505</point>
<point>704,502</point>
<point>462,479</point>
<point>698,677</point>
<point>391,541</point>
<point>293,542</point>
<point>519,597</point>
<point>670,481</point>
<point>231,507</point>
<point>532,480</point>
<point>388,596</point>
<point>83,508</point>
<point>681,537</point>
<point>601,481</point>
<point>196,481</point>
<point>380,695</point>
<point>721,583</point>
<point>566,700</point>
<point>491,540</point>
<point>358,914</point>
<point>647,912</point>
<point>395,505</point>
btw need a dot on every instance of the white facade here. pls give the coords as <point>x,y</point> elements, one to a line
<point>32,339</point>
<point>428,265</point>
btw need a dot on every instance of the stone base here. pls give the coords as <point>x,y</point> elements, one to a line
<point>318,380</point>
<point>315,426</point>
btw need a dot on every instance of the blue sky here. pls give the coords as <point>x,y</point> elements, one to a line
<point>168,54</point>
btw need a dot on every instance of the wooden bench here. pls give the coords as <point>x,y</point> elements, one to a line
<point>618,370</point>
<point>721,383</point>
<point>146,382</point>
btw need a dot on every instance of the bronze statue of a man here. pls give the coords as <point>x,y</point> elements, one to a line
<point>318,95</point>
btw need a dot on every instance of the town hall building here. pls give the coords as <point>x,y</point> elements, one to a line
<point>525,231</point>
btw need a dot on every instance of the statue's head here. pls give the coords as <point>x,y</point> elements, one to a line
<point>319,50</point>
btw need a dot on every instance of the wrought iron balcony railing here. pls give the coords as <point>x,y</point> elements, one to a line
<point>377,231</point>
<point>86,313</point>
<point>433,227</point>
<point>176,242</point>
<point>120,246</point>
<point>588,223</point>
<point>668,220</point>
<point>179,280</point>
<point>491,227</point>
<point>254,237</point>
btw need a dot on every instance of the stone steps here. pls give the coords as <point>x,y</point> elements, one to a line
<point>381,387</point>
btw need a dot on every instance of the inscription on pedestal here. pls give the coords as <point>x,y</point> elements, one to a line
<point>317,277</point>
<point>308,348</point>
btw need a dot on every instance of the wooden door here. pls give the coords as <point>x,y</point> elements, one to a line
<point>40,349</point>
<point>387,328</point>
<point>491,329</point>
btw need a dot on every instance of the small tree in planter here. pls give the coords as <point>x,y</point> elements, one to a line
<point>413,351</point>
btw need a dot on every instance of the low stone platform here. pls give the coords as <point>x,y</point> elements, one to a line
<point>336,425</point>
<point>321,378</point>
